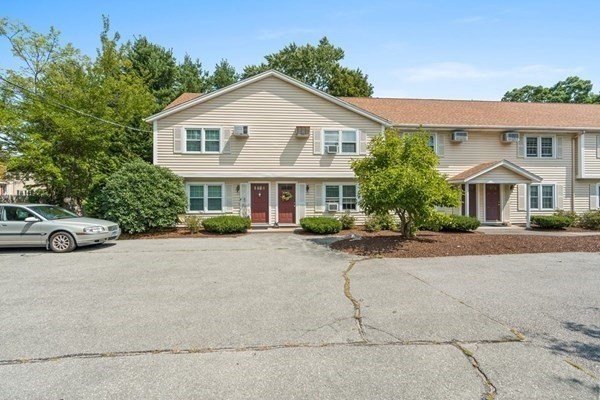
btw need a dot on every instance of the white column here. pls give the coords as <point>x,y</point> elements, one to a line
<point>467,200</point>
<point>528,205</point>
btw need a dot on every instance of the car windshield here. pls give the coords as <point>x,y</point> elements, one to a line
<point>53,212</point>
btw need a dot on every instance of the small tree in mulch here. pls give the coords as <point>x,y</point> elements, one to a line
<point>401,176</point>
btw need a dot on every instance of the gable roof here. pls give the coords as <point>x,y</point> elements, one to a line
<point>182,98</point>
<point>270,73</point>
<point>483,114</point>
<point>482,169</point>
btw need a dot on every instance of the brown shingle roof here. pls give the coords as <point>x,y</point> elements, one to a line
<point>465,113</point>
<point>473,171</point>
<point>182,99</point>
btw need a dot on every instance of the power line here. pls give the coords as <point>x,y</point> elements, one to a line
<point>55,103</point>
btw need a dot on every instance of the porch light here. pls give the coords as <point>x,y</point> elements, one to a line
<point>237,188</point>
<point>307,187</point>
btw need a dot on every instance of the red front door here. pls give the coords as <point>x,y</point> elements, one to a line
<point>286,203</point>
<point>492,202</point>
<point>259,203</point>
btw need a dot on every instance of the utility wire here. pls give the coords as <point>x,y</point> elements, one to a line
<point>55,103</point>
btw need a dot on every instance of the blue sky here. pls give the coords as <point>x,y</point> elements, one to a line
<point>423,49</point>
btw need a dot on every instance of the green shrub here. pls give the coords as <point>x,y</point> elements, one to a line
<point>461,223</point>
<point>451,223</point>
<point>372,224</point>
<point>386,221</point>
<point>571,215</point>
<point>347,220</point>
<point>193,223</point>
<point>321,225</point>
<point>590,220</point>
<point>139,197</point>
<point>227,224</point>
<point>551,221</point>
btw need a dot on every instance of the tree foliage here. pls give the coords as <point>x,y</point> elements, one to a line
<point>67,152</point>
<point>140,196</point>
<point>224,75</point>
<point>318,66</point>
<point>571,90</point>
<point>401,176</point>
<point>191,77</point>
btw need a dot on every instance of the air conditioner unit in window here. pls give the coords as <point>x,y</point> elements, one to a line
<point>241,130</point>
<point>302,131</point>
<point>510,137</point>
<point>332,149</point>
<point>460,136</point>
<point>333,206</point>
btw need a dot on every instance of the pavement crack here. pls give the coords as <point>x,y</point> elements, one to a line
<point>353,300</point>
<point>490,393</point>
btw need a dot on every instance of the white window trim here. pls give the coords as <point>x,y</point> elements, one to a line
<point>340,195</point>
<point>339,142</point>
<point>539,147</point>
<point>540,197</point>
<point>202,139</point>
<point>598,196</point>
<point>205,184</point>
<point>435,141</point>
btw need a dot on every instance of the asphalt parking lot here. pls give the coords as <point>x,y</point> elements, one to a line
<point>274,316</point>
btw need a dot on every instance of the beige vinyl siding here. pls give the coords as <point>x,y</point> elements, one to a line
<point>272,109</point>
<point>591,156</point>
<point>500,174</point>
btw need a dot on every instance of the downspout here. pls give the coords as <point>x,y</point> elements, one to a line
<point>574,165</point>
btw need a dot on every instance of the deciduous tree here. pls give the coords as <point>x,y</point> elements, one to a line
<point>571,90</point>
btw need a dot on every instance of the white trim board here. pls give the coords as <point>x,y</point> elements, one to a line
<point>266,174</point>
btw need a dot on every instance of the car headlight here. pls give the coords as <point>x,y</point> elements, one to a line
<point>94,229</point>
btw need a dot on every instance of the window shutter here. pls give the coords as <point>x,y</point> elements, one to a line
<point>597,146</point>
<point>521,148</point>
<point>593,196</point>
<point>300,200</point>
<point>317,141</point>
<point>244,198</point>
<point>363,142</point>
<point>319,200</point>
<point>177,139</point>
<point>560,197</point>
<point>228,199</point>
<point>559,147</point>
<point>226,140</point>
<point>521,197</point>
<point>440,145</point>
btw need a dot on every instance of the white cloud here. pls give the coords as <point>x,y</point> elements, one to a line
<point>464,71</point>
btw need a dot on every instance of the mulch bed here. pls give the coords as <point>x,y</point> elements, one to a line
<point>442,244</point>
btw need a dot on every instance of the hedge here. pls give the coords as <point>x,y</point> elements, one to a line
<point>451,223</point>
<point>590,220</point>
<point>551,221</point>
<point>321,225</point>
<point>227,224</point>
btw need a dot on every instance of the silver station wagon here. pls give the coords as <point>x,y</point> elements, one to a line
<point>52,227</point>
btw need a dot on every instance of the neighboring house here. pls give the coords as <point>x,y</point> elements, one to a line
<point>12,185</point>
<point>276,150</point>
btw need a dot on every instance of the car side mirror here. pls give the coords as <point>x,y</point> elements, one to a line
<point>32,219</point>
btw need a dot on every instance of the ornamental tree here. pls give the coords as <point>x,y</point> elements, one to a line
<point>401,177</point>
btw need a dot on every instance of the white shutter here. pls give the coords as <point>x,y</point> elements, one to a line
<point>178,132</point>
<point>319,199</point>
<point>244,199</point>
<point>560,197</point>
<point>593,196</point>
<point>597,146</point>
<point>521,148</point>
<point>228,199</point>
<point>317,141</point>
<point>226,140</point>
<point>521,197</point>
<point>363,142</point>
<point>300,201</point>
<point>559,147</point>
<point>440,145</point>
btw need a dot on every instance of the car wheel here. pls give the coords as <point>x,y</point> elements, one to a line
<point>62,242</point>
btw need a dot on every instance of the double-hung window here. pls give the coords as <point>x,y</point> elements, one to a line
<point>542,197</point>
<point>432,142</point>
<point>205,197</point>
<point>345,195</point>
<point>539,146</point>
<point>203,140</point>
<point>345,140</point>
